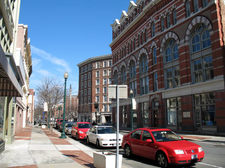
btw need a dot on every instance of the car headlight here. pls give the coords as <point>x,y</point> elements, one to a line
<point>179,152</point>
<point>200,149</point>
<point>102,139</point>
<point>81,132</point>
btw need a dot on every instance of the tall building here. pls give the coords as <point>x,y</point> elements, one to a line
<point>94,78</point>
<point>171,55</point>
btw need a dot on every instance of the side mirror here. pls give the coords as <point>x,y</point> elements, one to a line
<point>149,140</point>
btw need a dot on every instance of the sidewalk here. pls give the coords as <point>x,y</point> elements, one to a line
<point>40,148</point>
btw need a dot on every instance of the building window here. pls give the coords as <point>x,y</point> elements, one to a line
<point>110,81</point>
<point>132,70</point>
<point>105,64</point>
<point>172,76</point>
<point>145,114</point>
<point>187,8</point>
<point>105,73</point>
<point>200,38</point>
<point>155,81</point>
<point>105,90</point>
<point>110,63</point>
<point>171,51</point>
<point>202,68</point>
<point>97,82</point>
<point>195,5</point>
<point>123,75</point>
<point>105,108</point>
<point>174,16</point>
<point>97,64</point>
<point>115,78</point>
<point>173,108</point>
<point>105,98</point>
<point>168,20</point>
<point>204,109</point>
<point>97,99</point>
<point>105,81</point>
<point>97,74</point>
<point>154,55</point>
<point>97,90</point>
<point>153,29</point>
<point>204,3</point>
<point>144,80</point>
<point>162,24</point>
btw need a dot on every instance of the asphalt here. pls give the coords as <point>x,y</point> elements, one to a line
<point>35,147</point>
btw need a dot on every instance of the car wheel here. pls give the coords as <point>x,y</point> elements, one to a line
<point>127,151</point>
<point>98,144</point>
<point>88,142</point>
<point>162,160</point>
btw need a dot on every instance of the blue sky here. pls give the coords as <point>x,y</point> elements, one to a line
<point>65,33</point>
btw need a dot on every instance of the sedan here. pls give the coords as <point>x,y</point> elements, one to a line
<point>80,129</point>
<point>68,127</point>
<point>103,136</point>
<point>162,145</point>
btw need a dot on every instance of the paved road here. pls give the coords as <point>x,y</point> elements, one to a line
<point>214,157</point>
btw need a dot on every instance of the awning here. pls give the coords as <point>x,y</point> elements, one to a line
<point>9,85</point>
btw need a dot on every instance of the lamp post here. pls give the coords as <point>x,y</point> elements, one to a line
<point>63,135</point>
<point>96,115</point>
<point>131,95</point>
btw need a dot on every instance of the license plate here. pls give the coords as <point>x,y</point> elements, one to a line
<point>194,156</point>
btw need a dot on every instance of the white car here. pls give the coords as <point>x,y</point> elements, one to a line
<point>103,136</point>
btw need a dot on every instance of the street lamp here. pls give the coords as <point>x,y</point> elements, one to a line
<point>96,112</point>
<point>131,96</point>
<point>63,135</point>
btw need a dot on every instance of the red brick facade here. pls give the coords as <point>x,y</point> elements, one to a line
<point>178,51</point>
<point>94,78</point>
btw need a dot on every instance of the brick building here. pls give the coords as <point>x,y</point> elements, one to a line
<point>171,54</point>
<point>94,78</point>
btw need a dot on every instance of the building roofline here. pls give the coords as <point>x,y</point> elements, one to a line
<point>97,58</point>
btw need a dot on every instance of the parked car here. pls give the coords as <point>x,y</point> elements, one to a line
<point>68,127</point>
<point>58,122</point>
<point>162,145</point>
<point>103,136</point>
<point>80,129</point>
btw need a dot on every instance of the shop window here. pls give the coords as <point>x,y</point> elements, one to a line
<point>173,108</point>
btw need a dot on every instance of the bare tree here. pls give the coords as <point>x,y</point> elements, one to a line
<point>50,91</point>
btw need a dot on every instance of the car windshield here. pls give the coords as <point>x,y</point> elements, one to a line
<point>69,125</point>
<point>165,136</point>
<point>105,130</point>
<point>84,125</point>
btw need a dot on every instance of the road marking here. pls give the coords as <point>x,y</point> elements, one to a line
<point>209,165</point>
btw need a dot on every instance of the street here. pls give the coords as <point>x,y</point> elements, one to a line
<point>214,156</point>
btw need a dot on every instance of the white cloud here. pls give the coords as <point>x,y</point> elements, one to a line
<point>35,62</point>
<point>44,73</point>
<point>47,56</point>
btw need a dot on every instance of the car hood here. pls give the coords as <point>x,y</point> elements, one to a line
<point>83,129</point>
<point>110,136</point>
<point>182,144</point>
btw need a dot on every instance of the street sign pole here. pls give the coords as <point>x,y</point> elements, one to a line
<point>117,126</point>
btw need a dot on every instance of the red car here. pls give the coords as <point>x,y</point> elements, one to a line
<point>80,129</point>
<point>162,145</point>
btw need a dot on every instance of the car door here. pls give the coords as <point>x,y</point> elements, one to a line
<point>91,134</point>
<point>135,141</point>
<point>147,149</point>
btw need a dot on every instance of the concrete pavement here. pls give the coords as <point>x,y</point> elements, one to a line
<point>40,148</point>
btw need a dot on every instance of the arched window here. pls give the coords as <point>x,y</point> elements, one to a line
<point>132,77</point>
<point>144,79</point>
<point>123,75</point>
<point>162,24</point>
<point>172,70</point>
<point>171,50</point>
<point>201,62</point>
<point>187,8</point>
<point>168,20</point>
<point>174,16</point>
<point>153,29</point>
<point>204,3</point>
<point>196,6</point>
<point>200,38</point>
<point>115,78</point>
<point>154,55</point>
